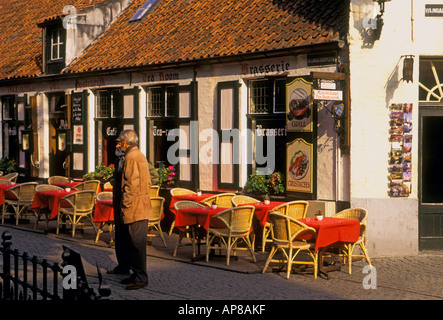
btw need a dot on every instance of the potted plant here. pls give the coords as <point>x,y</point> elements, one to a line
<point>166,176</point>
<point>214,205</point>
<point>7,165</point>
<point>102,173</point>
<point>319,215</point>
<point>267,200</point>
<point>271,185</point>
<point>199,192</point>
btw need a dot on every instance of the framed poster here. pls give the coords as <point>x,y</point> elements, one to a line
<point>299,161</point>
<point>78,134</point>
<point>299,104</point>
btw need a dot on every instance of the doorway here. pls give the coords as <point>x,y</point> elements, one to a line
<point>430,178</point>
<point>58,139</point>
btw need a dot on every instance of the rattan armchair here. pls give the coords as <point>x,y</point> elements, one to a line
<point>223,200</point>
<point>77,207</point>
<point>3,181</point>
<point>105,195</point>
<point>58,179</point>
<point>237,226</point>
<point>11,176</point>
<point>348,251</point>
<point>190,231</point>
<point>295,209</point>
<point>241,199</point>
<point>44,211</point>
<point>157,204</point>
<point>178,192</point>
<point>287,235</point>
<point>20,198</point>
<point>107,186</point>
<point>154,191</point>
<point>93,185</point>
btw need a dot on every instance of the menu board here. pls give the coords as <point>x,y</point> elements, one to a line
<point>77,108</point>
<point>299,171</point>
<point>400,136</point>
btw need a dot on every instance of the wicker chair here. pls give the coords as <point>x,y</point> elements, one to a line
<point>105,195</point>
<point>189,231</point>
<point>107,186</point>
<point>223,200</point>
<point>237,226</point>
<point>294,209</point>
<point>58,179</point>
<point>44,211</point>
<point>93,185</point>
<point>177,192</point>
<point>77,207</point>
<point>11,176</point>
<point>240,199</point>
<point>287,234</point>
<point>154,191</point>
<point>157,204</point>
<point>4,181</point>
<point>20,198</point>
<point>348,251</point>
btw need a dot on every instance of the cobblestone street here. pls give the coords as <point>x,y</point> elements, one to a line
<point>401,278</point>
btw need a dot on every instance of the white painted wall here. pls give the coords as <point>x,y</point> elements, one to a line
<point>376,82</point>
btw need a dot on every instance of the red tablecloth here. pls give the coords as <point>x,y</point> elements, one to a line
<point>191,197</point>
<point>197,216</point>
<point>104,211</point>
<point>262,209</point>
<point>331,230</point>
<point>49,199</point>
<point>4,187</point>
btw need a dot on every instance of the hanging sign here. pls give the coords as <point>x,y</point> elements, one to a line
<point>299,155</point>
<point>332,95</point>
<point>299,106</point>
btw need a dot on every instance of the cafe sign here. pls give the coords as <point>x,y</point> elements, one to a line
<point>299,161</point>
<point>299,106</point>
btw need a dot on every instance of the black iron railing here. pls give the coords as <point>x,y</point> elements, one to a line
<point>28,278</point>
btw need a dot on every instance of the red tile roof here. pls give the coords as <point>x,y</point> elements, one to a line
<point>182,30</point>
<point>176,30</point>
<point>21,38</point>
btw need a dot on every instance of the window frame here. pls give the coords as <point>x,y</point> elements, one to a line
<point>270,100</point>
<point>58,45</point>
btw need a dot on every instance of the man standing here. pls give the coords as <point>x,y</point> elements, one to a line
<point>135,206</point>
<point>122,238</point>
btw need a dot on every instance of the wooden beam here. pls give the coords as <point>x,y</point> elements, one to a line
<point>328,75</point>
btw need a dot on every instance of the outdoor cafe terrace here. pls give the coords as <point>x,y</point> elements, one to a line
<point>224,230</point>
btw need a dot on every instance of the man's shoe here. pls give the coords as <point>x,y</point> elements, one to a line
<point>117,271</point>
<point>136,285</point>
<point>127,280</point>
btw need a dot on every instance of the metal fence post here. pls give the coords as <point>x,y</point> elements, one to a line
<point>6,249</point>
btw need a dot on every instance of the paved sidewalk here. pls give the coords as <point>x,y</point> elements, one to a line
<point>413,278</point>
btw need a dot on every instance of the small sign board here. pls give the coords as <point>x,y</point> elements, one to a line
<point>332,95</point>
<point>433,10</point>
